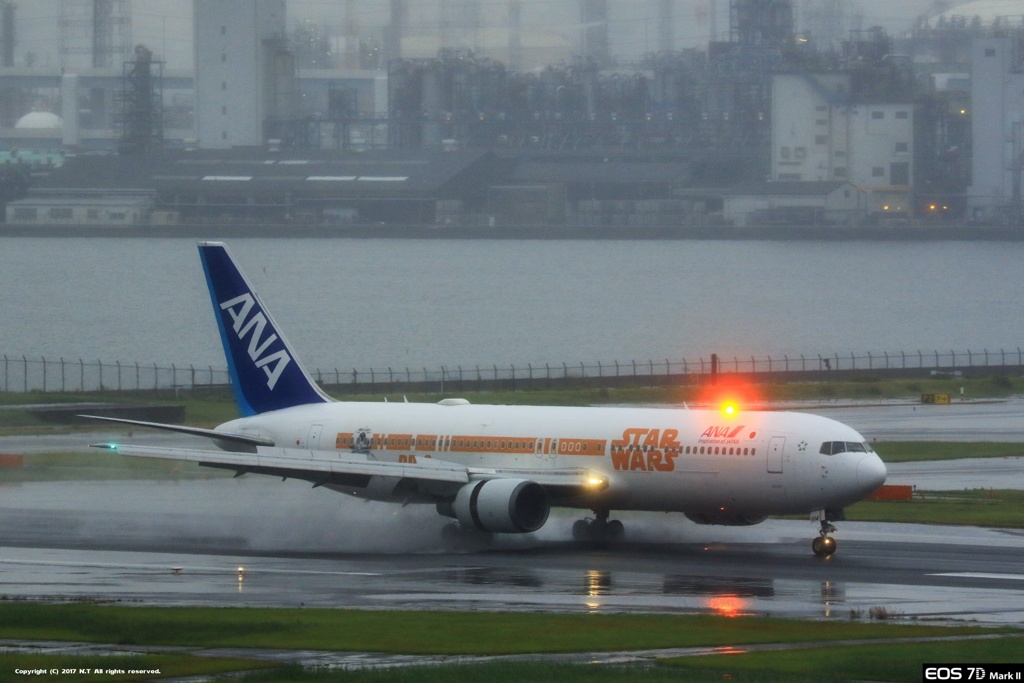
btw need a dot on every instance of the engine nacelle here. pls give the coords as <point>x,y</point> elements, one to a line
<point>511,506</point>
<point>725,518</point>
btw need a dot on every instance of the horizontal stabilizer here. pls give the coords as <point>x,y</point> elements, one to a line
<point>244,439</point>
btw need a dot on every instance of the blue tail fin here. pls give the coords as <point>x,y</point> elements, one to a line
<point>265,373</point>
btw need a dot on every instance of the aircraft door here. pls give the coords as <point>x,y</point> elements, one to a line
<point>776,445</point>
<point>313,439</point>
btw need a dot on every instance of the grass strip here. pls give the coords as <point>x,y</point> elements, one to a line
<point>514,672</point>
<point>898,663</point>
<point>1000,508</point>
<point>440,633</point>
<point>920,451</point>
<point>85,668</point>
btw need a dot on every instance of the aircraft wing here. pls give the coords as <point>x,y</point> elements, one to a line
<point>324,467</point>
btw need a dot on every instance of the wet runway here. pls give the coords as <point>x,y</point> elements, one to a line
<point>183,542</point>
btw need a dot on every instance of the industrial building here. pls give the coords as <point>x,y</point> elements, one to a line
<point>923,127</point>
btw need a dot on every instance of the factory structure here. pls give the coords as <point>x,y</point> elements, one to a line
<point>453,114</point>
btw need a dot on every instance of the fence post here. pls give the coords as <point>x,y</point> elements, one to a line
<point>600,369</point>
<point>174,375</point>
<point>211,375</point>
<point>81,372</point>
<point>583,370</point>
<point>156,376</point>
<point>63,385</point>
<point>5,372</point>
<point>871,362</point>
<point>44,373</point>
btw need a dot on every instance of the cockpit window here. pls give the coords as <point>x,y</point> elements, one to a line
<point>837,447</point>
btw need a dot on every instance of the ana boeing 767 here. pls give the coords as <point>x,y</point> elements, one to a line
<point>500,469</point>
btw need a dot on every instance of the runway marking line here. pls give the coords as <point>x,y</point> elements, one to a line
<point>982,575</point>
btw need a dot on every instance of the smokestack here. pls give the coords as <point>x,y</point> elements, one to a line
<point>396,29</point>
<point>594,20</point>
<point>515,34</point>
<point>666,25</point>
<point>7,33</point>
<point>351,57</point>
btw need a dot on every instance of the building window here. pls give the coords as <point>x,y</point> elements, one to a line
<point>223,57</point>
<point>223,85</point>
<point>223,30</point>
<point>92,214</point>
<point>902,147</point>
<point>784,152</point>
<point>61,213</point>
<point>821,139</point>
<point>821,122</point>
<point>790,176</point>
<point>878,172</point>
<point>990,52</point>
<point>899,173</point>
<point>839,172</point>
<point>800,152</point>
<point>821,107</point>
<point>840,154</point>
<point>903,114</point>
<point>878,114</point>
<point>224,111</point>
<point>24,214</point>
<point>223,135</point>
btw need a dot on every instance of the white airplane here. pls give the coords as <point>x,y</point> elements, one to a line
<point>500,469</point>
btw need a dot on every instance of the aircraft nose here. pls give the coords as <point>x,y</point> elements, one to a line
<point>871,472</point>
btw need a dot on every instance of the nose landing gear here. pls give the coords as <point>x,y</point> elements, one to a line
<point>824,545</point>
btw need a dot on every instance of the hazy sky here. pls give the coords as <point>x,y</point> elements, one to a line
<point>165,25</point>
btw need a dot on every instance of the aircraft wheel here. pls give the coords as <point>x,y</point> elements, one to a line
<point>828,545</point>
<point>581,530</point>
<point>614,531</point>
<point>818,546</point>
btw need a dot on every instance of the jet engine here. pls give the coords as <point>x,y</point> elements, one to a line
<point>513,506</point>
<point>725,518</point>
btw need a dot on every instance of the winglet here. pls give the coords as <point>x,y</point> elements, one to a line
<point>265,372</point>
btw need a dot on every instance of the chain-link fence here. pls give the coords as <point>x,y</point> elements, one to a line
<point>24,374</point>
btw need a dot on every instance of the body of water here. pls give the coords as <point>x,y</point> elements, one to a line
<point>354,303</point>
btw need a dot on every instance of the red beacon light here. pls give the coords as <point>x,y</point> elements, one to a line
<point>730,409</point>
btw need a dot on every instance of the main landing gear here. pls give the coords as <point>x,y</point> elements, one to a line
<point>824,545</point>
<point>598,530</point>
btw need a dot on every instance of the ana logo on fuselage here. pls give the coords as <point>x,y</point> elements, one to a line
<point>273,364</point>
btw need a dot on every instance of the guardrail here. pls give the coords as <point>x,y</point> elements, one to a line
<point>24,374</point>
